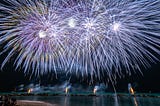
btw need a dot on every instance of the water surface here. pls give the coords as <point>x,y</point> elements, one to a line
<point>95,100</point>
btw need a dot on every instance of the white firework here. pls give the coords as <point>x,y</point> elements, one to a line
<point>87,38</point>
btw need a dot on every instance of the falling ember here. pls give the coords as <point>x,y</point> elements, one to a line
<point>131,92</point>
<point>66,90</point>
<point>95,90</point>
<point>130,89</point>
<point>29,90</point>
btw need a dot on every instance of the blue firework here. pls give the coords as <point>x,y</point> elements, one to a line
<point>89,37</point>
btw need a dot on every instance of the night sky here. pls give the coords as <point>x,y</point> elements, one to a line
<point>148,82</point>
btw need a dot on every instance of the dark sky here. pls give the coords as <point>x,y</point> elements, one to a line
<point>149,81</point>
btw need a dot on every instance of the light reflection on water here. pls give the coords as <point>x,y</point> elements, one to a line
<point>94,100</point>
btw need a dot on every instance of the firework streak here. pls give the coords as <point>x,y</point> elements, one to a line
<point>85,37</point>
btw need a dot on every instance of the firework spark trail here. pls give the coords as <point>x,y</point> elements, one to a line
<point>116,35</point>
<point>34,35</point>
<point>82,37</point>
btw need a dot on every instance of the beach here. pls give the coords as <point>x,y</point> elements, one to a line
<point>33,103</point>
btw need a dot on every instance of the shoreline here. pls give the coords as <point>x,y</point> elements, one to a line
<point>90,94</point>
<point>33,103</point>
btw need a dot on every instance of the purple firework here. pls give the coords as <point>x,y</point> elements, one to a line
<point>89,37</point>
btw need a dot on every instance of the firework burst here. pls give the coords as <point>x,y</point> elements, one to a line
<point>83,37</point>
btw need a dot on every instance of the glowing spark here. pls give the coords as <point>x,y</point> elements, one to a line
<point>95,90</point>
<point>89,23</point>
<point>132,91</point>
<point>66,90</point>
<point>29,90</point>
<point>42,34</point>
<point>72,23</point>
<point>116,26</point>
